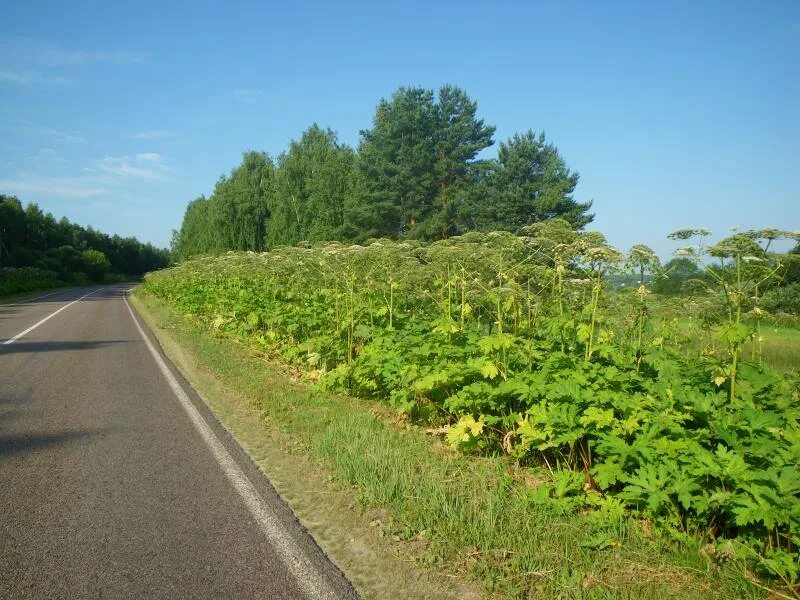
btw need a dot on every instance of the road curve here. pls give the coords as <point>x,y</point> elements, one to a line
<point>108,487</point>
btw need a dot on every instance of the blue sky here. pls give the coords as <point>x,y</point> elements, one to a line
<point>676,114</point>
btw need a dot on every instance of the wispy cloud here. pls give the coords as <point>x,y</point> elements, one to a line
<point>26,62</point>
<point>154,134</point>
<point>25,51</point>
<point>67,187</point>
<point>45,155</point>
<point>29,78</point>
<point>247,96</point>
<point>58,135</point>
<point>148,165</point>
<point>106,175</point>
<point>57,57</point>
<point>151,157</point>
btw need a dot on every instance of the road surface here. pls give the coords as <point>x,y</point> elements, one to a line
<point>115,479</point>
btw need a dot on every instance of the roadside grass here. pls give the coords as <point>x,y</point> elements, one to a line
<point>465,517</point>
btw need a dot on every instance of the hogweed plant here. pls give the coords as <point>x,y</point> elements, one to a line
<point>742,267</point>
<point>514,344</point>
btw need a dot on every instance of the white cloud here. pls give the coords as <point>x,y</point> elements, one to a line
<point>68,187</point>
<point>24,51</point>
<point>25,78</point>
<point>28,62</point>
<point>152,157</point>
<point>147,165</point>
<point>57,57</point>
<point>48,155</point>
<point>9,77</point>
<point>247,96</point>
<point>109,174</point>
<point>155,134</point>
<point>62,136</point>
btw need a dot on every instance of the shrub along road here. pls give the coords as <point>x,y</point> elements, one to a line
<point>116,481</point>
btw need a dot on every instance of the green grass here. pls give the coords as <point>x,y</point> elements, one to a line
<point>781,346</point>
<point>467,516</point>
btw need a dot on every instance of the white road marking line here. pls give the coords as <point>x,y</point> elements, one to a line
<point>294,559</point>
<point>47,318</point>
<point>29,300</point>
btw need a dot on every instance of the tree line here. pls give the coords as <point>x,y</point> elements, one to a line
<point>32,238</point>
<point>416,174</point>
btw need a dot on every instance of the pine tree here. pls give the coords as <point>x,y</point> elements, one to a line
<point>416,160</point>
<point>528,183</point>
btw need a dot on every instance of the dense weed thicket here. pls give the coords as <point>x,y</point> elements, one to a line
<point>512,344</point>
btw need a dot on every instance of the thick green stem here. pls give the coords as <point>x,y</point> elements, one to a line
<point>595,302</point>
<point>391,304</point>
<point>736,345</point>
<point>639,342</point>
<point>560,296</point>
<point>463,300</point>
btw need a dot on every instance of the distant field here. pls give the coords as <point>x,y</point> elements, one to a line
<point>781,346</point>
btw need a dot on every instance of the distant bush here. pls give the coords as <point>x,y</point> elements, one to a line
<point>25,279</point>
<point>785,299</point>
<point>675,275</point>
<point>96,264</point>
<point>117,278</point>
<point>791,262</point>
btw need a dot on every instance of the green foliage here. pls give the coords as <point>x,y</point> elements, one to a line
<point>312,186</point>
<point>238,212</point>
<point>196,235</point>
<point>510,343</point>
<point>417,161</point>
<point>675,274</point>
<point>528,183</point>
<point>644,260</point>
<point>791,264</point>
<point>785,299</point>
<point>520,532</point>
<point>31,238</point>
<point>236,215</point>
<point>96,264</point>
<point>14,280</point>
<point>416,175</point>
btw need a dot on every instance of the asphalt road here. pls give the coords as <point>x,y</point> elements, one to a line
<point>117,482</point>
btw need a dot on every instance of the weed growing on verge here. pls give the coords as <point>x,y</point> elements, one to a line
<point>508,343</point>
<point>460,514</point>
